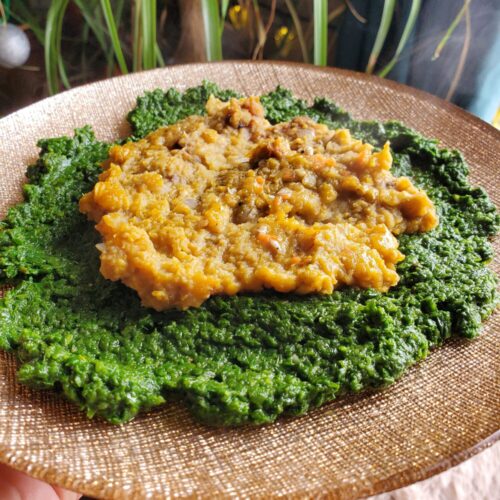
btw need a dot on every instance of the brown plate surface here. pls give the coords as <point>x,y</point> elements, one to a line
<point>443,411</point>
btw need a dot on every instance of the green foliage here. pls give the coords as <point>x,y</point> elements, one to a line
<point>115,41</point>
<point>87,8</point>
<point>320,32</point>
<point>410,24</point>
<point>213,30</point>
<point>148,8</point>
<point>103,20</point>
<point>54,65</point>
<point>453,26</point>
<point>223,13</point>
<point>383,30</point>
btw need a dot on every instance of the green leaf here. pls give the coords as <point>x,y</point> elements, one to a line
<point>148,14</point>
<point>410,23</point>
<point>52,45</point>
<point>383,29</point>
<point>60,62</point>
<point>320,32</point>
<point>224,6</point>
<point>137,37</point>
<point>159,56</point>
<point>115,40</point>
<point>88,13</point>
<point>211,21</point>
<point>450,30</point>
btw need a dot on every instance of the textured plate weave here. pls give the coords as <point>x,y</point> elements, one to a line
<point>444,410</point>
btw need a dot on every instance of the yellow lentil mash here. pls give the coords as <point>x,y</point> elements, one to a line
<point>228,203</point>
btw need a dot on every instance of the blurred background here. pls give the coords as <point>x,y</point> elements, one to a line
<point>450,48</point>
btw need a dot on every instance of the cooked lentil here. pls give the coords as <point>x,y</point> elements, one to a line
<point>228,203</point>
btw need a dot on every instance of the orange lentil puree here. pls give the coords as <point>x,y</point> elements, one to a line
<point>228,203</point>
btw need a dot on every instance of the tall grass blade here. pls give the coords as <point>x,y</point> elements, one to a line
<point>159,56</point>
<point>410,23</point>
<point>383,29</point>
<point>49,48</point>
<point>60,62</point>
<point>3,16</point>
<point>62,73</point>
<point>211,20</point>
<point>223,12</point>
<point>137,37</point>
<point>113,33</point>
<point>320,32</point>
<point>148,8</point>
<point>463,55</point>
<point>109,50</point>
<point>52,44</point>
<point>298,28</point>
<point>87,10</point>
<point>117,14</point>
<point>450,30</point>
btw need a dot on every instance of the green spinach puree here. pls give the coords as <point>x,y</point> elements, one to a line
<point>242,359</point>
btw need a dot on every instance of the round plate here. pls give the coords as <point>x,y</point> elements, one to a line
<point>443,411</point>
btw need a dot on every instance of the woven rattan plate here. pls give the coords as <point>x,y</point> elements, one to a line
<point>444,410</point>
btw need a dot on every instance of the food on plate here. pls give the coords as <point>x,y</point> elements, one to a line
<point>249,357</point>
<point>228,203</point>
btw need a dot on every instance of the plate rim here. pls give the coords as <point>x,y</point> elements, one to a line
<point>395,481</point>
